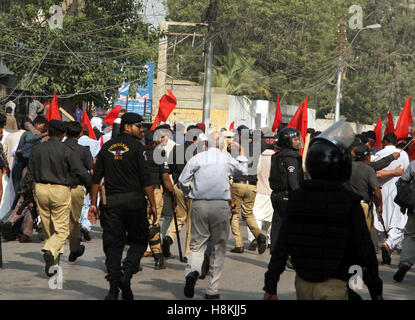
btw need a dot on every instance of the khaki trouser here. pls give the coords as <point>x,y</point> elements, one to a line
<point>155,242</point>
<point>54,206</point>
<point>331,289</point>
<point>77,201</point>
<point>183,209</point>
<point>368,215</point>
<point>244,196</point>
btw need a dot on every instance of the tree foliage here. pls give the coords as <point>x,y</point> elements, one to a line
<point>98,48</point>
<point>295,46</point>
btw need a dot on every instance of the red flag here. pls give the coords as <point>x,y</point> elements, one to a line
<point>53,111</point>
<point>102,140</point>
<point>278,116</point>
<point>166,106</point>
<point>405,119</point>
<point>300,119</point>
<point>232,126</point>
<point>378,131</point>
<point>85,120</point>
<point>389,125</point>
<point>112,115</point>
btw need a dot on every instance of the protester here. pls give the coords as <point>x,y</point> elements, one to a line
<point>393,219</point>
<point>11,123</point>
<point>209,174</point>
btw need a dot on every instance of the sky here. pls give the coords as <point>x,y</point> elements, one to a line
<point>154,11</point>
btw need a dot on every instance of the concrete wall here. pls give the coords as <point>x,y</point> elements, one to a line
<point>255,114</point>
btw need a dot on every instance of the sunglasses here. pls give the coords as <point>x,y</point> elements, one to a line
<point>137,125</point>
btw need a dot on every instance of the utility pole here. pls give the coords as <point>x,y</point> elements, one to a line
<point>210,17</point>
<point>340,75</point>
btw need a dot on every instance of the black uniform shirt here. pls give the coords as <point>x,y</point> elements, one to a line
<point>286,172</point>
<point>83,152</point>
<point>155,169</point>
<point>121,162</point>
<point>55,163</point>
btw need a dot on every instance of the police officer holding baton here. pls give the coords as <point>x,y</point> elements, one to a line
<point>124,220</point>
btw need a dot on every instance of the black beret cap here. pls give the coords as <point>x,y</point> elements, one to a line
<point>58,125</point>
<point>131,117</point>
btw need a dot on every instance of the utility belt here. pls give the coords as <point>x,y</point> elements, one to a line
<point>244,182</point>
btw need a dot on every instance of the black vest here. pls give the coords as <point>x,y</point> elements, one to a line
<point>319,230</point>
<point>154,168</point>
<point>278,180</point>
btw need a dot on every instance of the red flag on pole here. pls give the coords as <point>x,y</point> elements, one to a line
<point>378,131</point>
<point>278,116</point>
<point>232,126</point>
<point>390,127</point>
<point>53,111</point>
<point>300,119</point>
<point>85,120</point>
<point>405,119</point>
<point>166,106</point>
<point>112,115</point>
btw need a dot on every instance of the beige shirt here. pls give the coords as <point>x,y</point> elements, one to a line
<point>263,170</point>
<point>11,123</point>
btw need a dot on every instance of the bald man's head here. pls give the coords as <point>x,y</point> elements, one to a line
<point>215,140</point>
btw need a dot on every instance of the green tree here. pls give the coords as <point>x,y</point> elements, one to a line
<point>98,49</point>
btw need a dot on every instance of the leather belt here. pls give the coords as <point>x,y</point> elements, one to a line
<point>244,182</point>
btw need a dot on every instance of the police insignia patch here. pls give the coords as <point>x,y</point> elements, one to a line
<point>291,169</point>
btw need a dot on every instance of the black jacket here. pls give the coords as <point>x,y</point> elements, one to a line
<point>286,172</point>
<point>325,233</point>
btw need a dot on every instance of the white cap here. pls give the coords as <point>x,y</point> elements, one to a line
<point>118,120</point>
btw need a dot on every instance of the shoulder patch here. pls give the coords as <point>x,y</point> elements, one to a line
<point>291,169</point>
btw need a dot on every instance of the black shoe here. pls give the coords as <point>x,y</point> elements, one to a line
<point>74,255</point>
<point>49,260</point>
<point>262,243</point>
<point>167,242</point>
<point>253,245</point>
<point>112,294</point>
<point>185,260</point>
<point>7,231</point>
<point>386,257</point>
<point>125,286</point>
<point>189,288</point>
<point>159,265</point>
<point>212,296</point>
<point>400,274</point>
<point>24,239</point>
<point>238,250</point>
<point>86,234</point>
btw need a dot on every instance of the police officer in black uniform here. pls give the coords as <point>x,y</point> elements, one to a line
<point>324,229</point>
<point>286,174</point>
<point>160,180</point>
<point>124,220</point>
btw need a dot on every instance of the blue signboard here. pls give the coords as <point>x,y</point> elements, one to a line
<point>142,103</point>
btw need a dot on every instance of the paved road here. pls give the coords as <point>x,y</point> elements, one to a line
<point>23,277</point>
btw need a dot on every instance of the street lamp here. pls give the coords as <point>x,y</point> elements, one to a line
<point>340,75</point>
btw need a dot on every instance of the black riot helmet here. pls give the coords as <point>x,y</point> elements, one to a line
<point>285,137</point>
<point>328,157</point>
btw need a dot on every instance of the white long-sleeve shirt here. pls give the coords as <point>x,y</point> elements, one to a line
<point>209,173</point>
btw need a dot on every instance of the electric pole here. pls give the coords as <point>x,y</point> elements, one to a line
<point>210,19</point>
<point>340,75</point>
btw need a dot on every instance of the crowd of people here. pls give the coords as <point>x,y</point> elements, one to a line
<point>319,208</point>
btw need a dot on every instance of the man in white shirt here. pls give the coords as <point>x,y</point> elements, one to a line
<point>392,216</point>
<point>209,173</point>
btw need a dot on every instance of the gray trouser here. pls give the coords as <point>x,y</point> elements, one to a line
<point>210,218</point>
<point>408,244</point>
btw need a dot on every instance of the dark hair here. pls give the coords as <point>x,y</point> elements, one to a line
<point>116,130</point>
<point>164,126</point>
<point>371,134</point>
<point>40,120</point>
<point>55,132</point>
<point>9,110</point>
<point>390,138</point>
<point>282,125</point>
<point>314,134</point>
<point>190,128</point>
<point>363,138</point>
<point>73,129</point>
<point>3,120</point>
<point>310,130</point>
